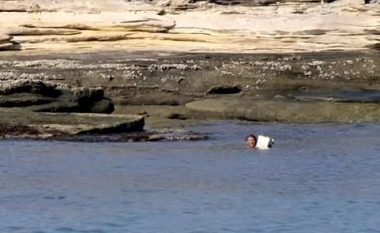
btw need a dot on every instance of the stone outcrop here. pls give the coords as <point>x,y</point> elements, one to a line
<point>14,124</point>
<point>173,54</point>
<point>40,96</point>
<point>84,127</point>
<point>344,79</point>
<point>41,26</point>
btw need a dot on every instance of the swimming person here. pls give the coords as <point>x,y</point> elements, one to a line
<point>260,142</point>
<point>250,141</point>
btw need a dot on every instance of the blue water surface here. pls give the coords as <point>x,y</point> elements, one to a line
<point>317,178</point>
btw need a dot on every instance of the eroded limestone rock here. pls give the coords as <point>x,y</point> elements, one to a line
<point>37,95</point>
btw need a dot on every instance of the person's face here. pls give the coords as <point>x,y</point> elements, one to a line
<point>250,142</point>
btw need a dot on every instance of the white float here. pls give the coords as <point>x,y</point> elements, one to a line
<point>264,142</point>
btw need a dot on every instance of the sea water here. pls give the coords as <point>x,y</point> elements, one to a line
<point>317,178</point>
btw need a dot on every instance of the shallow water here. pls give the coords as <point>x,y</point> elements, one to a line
<point>317,178</point>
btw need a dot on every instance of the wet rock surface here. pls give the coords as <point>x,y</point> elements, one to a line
<point>37,109</point>
<point>18,123</point>
<point>85,128</point>
<point>142,136</point>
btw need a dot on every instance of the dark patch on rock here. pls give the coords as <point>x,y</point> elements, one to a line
<point>56,106</point>
<point>11,45</point>
<point>375,46</point>
<point>177,116</point>
<point>372,31</point>
<point>104,105</point>
<point>224,90</point>
<point>369,1</point>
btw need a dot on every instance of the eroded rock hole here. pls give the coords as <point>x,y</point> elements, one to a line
<point>223,90</point>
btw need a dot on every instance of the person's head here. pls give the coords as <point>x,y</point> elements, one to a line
<point>250,141</point>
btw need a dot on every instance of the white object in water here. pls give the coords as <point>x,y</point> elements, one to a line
<point>263,142</point>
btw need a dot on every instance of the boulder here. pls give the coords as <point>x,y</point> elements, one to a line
<point>40,96</point>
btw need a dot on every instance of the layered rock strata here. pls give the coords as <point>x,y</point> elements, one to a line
<point>41,26</point>
<point>181,56</point>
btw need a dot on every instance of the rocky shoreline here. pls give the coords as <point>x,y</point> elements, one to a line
<point>172,90</point>
<point>36,109</point>
<point>175,63</point>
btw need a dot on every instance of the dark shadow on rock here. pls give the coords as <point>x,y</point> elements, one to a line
<point>223,90</point>
<point>177,116</point>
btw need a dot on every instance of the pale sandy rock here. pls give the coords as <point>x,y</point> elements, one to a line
<point>87,36</point>
<point>5,38</point>
<point>149,25</point>
<point>58,26</point>
<point>25,31</point>
<point>12,7</point>
<point>244,2</point>
<point>97,38</point>
<point>290,26</point>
